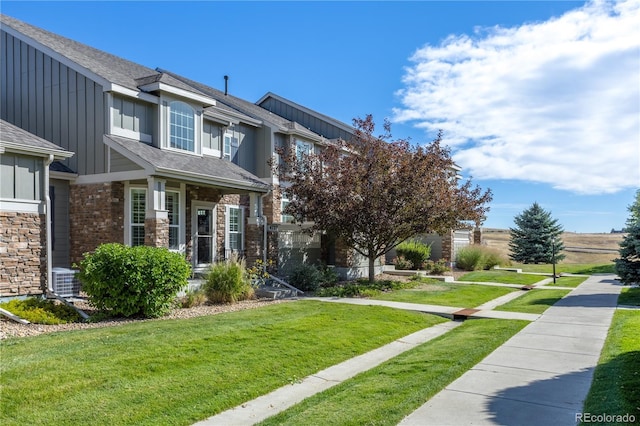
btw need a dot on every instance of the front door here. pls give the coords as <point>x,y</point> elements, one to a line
<point>203,223</point>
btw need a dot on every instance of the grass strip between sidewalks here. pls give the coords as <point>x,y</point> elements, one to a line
<point>445,294</point>
<point>534,302</point>
<point>389,392</point>
<point>616,382</point>
<point>181,371</point>
<point>567,282</point>
<point>503,277</point>
<point>629,296</point>
<point>568,268</point>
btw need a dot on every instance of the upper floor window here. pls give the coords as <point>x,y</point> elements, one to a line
<point>181,126</point>
<point>303,148</point>
<point>231,144</point>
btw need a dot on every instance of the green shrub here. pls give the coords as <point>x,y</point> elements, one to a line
<point>133,281</point>
<point>415,252</point>
<point>41,311</point>
<point>437,268</point>
<point>193,298</point>
<point>476,257</point>
<point>228,282</point>
<point>306,277</point>
<point>402,264</point>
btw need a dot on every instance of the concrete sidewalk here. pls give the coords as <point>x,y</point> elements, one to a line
<point>541,375</point>
<point>263,407</point>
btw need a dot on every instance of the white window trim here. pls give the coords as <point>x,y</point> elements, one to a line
<point>165,127</point>
<point>127,208</point>
<point>227,216</point>
<point>231,134</point>
<point>181,222</point>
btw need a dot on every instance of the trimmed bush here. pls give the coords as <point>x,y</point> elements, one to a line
<point>133,281</point>
<point>228,282</point>
<point>306,277</point>
<point>402,264</point>
<point>415,252</point>
<point>437,268</point>
<point>41,311</point>
<point>476,257</point>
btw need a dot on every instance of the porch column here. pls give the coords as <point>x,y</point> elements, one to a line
<point>156,222</point>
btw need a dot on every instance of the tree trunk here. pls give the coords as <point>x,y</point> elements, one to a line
<point>372,269</point>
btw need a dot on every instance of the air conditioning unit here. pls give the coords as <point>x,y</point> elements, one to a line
<point>65,282</point>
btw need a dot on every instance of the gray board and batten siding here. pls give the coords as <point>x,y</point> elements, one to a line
<point>50,100</point>
<point>307,120</point>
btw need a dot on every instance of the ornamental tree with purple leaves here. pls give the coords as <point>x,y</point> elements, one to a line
<point>373,192</point>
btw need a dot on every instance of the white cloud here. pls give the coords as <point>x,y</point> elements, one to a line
<point>555,102</point>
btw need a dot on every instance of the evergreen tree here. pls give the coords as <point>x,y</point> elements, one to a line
<point>628,265</point>
<point>536,237</point>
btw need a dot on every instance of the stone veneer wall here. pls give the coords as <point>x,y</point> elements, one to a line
<point>23,264</point>
<point>96,216</point>
<point>447,246</point>
<point>156,232</point>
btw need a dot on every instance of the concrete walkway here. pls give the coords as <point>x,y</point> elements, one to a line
<point>271,404</point>
<point>541,375</point>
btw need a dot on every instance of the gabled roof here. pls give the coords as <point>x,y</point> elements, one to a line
<point>339,124</point>
<point>104,67</point>
<point>274,121</point>
<point>203,170</point>
<point>15,139</point>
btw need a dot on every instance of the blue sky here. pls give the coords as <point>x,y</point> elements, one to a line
<point>539,101</point>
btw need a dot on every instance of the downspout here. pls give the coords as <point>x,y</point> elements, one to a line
<point>47,218</point>
<point>263,218</point>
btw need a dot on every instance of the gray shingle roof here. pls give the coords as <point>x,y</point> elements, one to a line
<point>248,108</point>
<point>13,136</point>
<point>112,68</point>
<point>205,170</point>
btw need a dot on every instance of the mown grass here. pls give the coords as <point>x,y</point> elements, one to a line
<point>387,393</point>
<point>567,282</point>
<point>569,268</point>
<point>503,277</point>
<point>629,296</point>
<point>181,371</point>
<point>615,388</point>
<point>446,294</point>
<point>534,301</point>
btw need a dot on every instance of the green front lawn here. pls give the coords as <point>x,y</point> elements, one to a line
<point>615,388</point>
<point>446,294</point>
<point>629,296</point>
<point>181,371</point>
<point>502,277</point>
<point>389,392</point>
<point>568,268</point>
<point>534,302</point>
